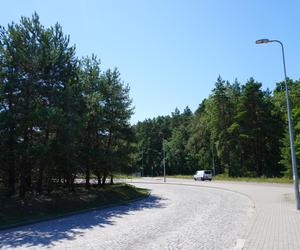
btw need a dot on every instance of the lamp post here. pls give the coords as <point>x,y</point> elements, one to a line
<point>142,168</point>
<point>213,158</point>
<point>293,154</point>
<point>164,154</point>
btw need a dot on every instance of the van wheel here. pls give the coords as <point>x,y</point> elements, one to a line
<point>202,179</point>
<point>209,179</point>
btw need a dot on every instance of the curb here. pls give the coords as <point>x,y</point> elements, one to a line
<point>193,185</point>
<point>65,215</point>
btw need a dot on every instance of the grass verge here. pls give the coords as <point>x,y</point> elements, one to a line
<point>224,177</point>
<point>16,211</point>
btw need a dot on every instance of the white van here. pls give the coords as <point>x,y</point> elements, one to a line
<point>203,175</point>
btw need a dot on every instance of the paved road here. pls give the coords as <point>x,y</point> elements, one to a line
<point>275,223</point>
<point>173,217</point>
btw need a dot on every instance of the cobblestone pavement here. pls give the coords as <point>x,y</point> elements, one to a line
<point>173,217</point>
<point>276,222</point>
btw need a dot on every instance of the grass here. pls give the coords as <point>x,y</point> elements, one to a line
<point>18,211</point>
<point>120,176</point>
<point>116,176</point>
<point>179,176</point>
<point>224,177</point>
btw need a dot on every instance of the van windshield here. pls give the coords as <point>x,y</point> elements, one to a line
<point>207,172</point>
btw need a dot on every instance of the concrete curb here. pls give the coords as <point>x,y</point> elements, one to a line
<point>65,215</point>
<point>194,185</point>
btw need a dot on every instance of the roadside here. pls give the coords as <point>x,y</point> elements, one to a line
<point>223,177</point>
<point>16,212</point>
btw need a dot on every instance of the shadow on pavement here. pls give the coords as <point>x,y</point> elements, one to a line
<point>45,234</point>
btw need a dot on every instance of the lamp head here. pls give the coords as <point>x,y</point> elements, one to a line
<point>260,41</point>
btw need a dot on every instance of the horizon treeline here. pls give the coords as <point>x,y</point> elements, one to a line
<point>240,130</point>
<point>61,117</point>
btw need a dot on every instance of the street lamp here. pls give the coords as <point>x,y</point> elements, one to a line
<point>142,168</point>
<point>293,154</point>
<point>213,157</point>
<point>164,154</point>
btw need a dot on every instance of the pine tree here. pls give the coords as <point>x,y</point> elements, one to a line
<point>117,111</point>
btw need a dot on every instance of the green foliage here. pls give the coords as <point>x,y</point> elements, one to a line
<point>239,130</point>
<point>150,135</point>
<point>280,104</point>
<point>259,130</point>
<point>60,117</point>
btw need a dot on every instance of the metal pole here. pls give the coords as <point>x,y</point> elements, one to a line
<point>291,132</point>
<point>213,158</point>
<point>142,163</point>
<point>164,152</point>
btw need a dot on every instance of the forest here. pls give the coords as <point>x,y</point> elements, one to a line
<point>240,130</point>
<point>64,119</point>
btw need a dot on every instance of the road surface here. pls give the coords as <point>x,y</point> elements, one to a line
<point>173,217</point>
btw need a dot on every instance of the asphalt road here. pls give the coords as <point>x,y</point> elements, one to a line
<point>173,217</point>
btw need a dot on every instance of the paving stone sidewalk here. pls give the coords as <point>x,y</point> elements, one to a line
<point>276,222</point>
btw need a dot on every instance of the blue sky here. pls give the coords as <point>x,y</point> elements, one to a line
<point>171,52</point>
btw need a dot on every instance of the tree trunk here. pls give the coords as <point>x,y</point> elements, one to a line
<point>39,187</point>
<point>49,185</point>
<point>11,147</point>
<point>107,160</point>
<point>25,178</point>
<point>111,180</point>
<point>22,188</point>
<point>43,163</point>
<point>11,168</point>
<point>87,178</point>
<point>99,179</point>
<point>28,177</point>
<point>11,179</point>
<point>72,183</point>
<point>103,180</point>
<point>25,172</point>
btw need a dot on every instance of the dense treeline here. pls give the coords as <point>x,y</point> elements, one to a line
<point>60,116</point>
<point>239,130</point>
